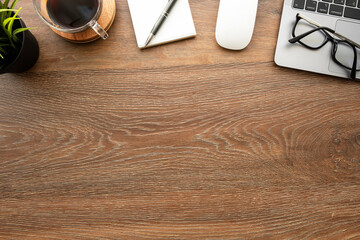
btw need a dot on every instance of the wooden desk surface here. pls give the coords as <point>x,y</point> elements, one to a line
<point>181,141</point>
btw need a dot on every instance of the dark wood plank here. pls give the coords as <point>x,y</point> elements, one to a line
<point>181,141</point>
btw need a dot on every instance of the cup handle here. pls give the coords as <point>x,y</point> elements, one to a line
<point>99,30</point>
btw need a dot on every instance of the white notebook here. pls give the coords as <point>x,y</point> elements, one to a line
<point>179,24</point>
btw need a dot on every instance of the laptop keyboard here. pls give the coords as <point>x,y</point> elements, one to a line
<point>341,8</point>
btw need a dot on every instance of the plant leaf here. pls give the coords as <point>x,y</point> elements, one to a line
<point>4,45</point>
<point>12,21</point>
<point>5,33</point>
<point>9,22</point>
<point>19,30</point>
<point>13,4</point>
<point>6,10</point>
<point>3,13</point>
<point>12,7</point>
<point>6,21</point>
<point>2,49</point>
<point>6,4</point>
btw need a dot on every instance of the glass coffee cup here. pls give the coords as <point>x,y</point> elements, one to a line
<point>71,16</point>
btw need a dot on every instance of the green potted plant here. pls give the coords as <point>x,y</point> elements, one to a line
<point>19,49</point>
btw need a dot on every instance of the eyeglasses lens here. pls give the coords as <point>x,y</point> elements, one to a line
<point>313,40</point>
<point>345,55</point>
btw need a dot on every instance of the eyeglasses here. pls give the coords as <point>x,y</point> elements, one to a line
<point>312,35</point>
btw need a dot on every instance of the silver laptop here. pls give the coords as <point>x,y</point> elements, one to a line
<point>343,16</point>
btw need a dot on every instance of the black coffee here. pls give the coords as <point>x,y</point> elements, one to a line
<point>72,13</point>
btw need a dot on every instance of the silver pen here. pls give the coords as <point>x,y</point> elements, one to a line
<point>160,21</point>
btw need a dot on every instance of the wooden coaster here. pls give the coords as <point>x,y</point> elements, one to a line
<point>106,19</point>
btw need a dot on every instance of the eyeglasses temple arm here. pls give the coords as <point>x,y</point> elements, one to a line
<point>309,20</point>
<point>345,38</point>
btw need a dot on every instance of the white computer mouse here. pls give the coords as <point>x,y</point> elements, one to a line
<point>235,23</point>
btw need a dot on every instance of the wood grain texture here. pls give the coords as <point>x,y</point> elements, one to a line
<point>180,141</point>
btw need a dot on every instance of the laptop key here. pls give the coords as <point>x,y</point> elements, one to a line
<point>341,2</point>
<point>359,4</point>
<point>299,4</point>
<point>329,1</point>
<point>336,10</point>
<point>311,5</point>
<point>353,13</point>
<point>351,3</point>
<point>323,7</point>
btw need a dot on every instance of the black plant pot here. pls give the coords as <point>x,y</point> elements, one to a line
<point>28,54</point>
